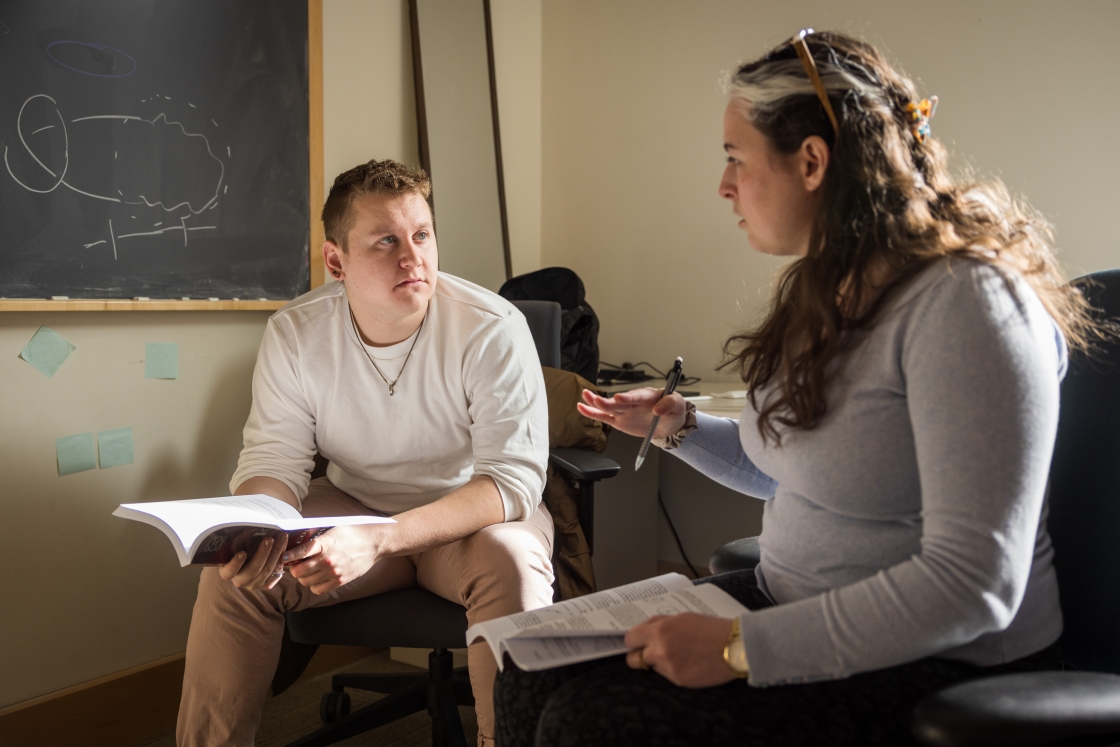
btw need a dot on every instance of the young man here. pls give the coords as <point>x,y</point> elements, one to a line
<point>425,393</point>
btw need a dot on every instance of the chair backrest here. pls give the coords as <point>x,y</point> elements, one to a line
<point>579,326</point>
<point>544,323</point>
<point>1084,519</point>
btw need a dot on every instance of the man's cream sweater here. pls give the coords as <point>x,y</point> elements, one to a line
<point>471,401</point>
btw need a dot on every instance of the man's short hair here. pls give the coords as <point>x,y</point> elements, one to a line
<point>375,177</point>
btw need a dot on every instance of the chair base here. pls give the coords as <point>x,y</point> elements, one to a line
<point>440,691</point>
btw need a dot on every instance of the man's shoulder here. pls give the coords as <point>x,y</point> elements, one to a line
<point>311,306</point>
<point>465,299</point>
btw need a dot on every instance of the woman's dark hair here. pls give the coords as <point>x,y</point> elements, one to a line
<point>889,208</point>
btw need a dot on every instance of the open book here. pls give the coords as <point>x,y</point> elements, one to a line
<point>593,626</point>
<point>210,531</point>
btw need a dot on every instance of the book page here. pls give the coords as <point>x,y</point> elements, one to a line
<point>593,626</point>
<point>535,654</point>
<point>190,518</point>
<point>189,523</point>
<point>704,599</point>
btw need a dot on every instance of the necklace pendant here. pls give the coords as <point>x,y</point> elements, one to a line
<point>391,386</point>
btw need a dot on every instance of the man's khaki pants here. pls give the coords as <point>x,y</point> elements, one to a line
<point>234,641</point>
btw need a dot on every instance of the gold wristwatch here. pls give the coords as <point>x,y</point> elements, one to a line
<point>735,653</point>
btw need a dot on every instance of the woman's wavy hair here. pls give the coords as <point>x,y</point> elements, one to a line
<point>889,208</point>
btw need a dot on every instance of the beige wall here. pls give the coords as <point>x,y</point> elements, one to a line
<point>87,594</point>
<point>610,123</point>
<point>370,105</point>
<point>632,143</point>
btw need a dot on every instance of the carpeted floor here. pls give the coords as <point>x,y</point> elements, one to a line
<point>295,713</point>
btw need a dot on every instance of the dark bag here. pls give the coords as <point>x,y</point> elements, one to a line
<point>579,327</point>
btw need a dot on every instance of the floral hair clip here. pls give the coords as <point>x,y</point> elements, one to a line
<point>920,114</point>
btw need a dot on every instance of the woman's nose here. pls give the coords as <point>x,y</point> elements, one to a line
<point>727,184</point>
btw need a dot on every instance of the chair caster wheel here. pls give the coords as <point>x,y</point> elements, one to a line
<point>334,707</point>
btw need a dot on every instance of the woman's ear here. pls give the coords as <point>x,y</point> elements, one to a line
<point>813,158</point>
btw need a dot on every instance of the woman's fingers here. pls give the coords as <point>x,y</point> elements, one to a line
<point>593,412</point>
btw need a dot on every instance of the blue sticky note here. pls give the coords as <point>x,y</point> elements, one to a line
<point>75,454</point>
<point>161,360</point>
<point>46,350</point>
<point>114,447</point>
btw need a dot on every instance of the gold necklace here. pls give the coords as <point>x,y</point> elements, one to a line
<point>391,384</point>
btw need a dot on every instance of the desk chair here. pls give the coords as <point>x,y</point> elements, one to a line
<point>415,618</point>
<point>1050,708</point>
<point>1071,707</point>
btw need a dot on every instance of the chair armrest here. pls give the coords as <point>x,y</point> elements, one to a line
<point>583,464</point>
<point>737,555</point>
<point>1021,710</point>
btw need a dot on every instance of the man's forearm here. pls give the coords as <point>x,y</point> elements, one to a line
<point>268,486</point>
<point>458,514</point>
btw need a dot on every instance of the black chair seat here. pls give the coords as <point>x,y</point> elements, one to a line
<point>738,555</point>
<point>1022,710</point>
<point>582,464</point>
<point>412,618</point>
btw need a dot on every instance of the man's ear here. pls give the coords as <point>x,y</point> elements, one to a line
<point>332,258</point>
<point>813,160</point>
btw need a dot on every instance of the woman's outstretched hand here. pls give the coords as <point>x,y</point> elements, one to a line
<point>631,412</point>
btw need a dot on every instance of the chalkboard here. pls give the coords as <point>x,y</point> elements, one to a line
<point>154,148</point>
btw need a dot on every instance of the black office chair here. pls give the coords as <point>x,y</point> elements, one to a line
<point>1050,708</point>
<point>415,618</point>
<point>1072,707</point>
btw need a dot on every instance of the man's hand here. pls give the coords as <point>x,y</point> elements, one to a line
<point>338,556</point>
<point>686,649</point>
<point>632,412</point>
<point>261,571</point>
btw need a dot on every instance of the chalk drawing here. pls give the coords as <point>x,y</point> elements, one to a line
<point>96,56</point>
<point>167,134</point>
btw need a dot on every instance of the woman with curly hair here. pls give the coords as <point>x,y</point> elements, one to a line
<point>902,408</point>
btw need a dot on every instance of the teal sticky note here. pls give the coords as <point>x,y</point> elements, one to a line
<point>47,351</point>
<point>161,360</point>
<point>75,454</point>
<point>114,447</point>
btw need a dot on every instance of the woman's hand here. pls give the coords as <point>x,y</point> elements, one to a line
<point>686,649</point>
<point>631,412</point>
<point>337,557</point>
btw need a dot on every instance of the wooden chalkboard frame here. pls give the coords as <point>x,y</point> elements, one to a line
<point>315,192</point>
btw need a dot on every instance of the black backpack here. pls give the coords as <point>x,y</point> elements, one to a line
<point>579,327</point>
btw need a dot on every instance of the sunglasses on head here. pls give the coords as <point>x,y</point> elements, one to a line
<point>802,49</point>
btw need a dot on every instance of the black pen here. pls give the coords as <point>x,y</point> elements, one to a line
<point>671,382</point>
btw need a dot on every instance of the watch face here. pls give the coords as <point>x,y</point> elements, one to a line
<point>738,656</point>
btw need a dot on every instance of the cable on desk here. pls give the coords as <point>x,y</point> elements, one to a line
<point>685,381</point>
<point>673,529</point>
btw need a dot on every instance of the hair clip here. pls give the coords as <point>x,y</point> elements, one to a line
<point>920,114</point>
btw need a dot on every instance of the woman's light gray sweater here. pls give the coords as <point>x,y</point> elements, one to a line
<point>907,523</point>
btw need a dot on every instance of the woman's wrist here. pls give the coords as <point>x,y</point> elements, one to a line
<point>674,440</point>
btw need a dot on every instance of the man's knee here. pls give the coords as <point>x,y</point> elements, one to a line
<point>505,557</point>
<point>217,594</point>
